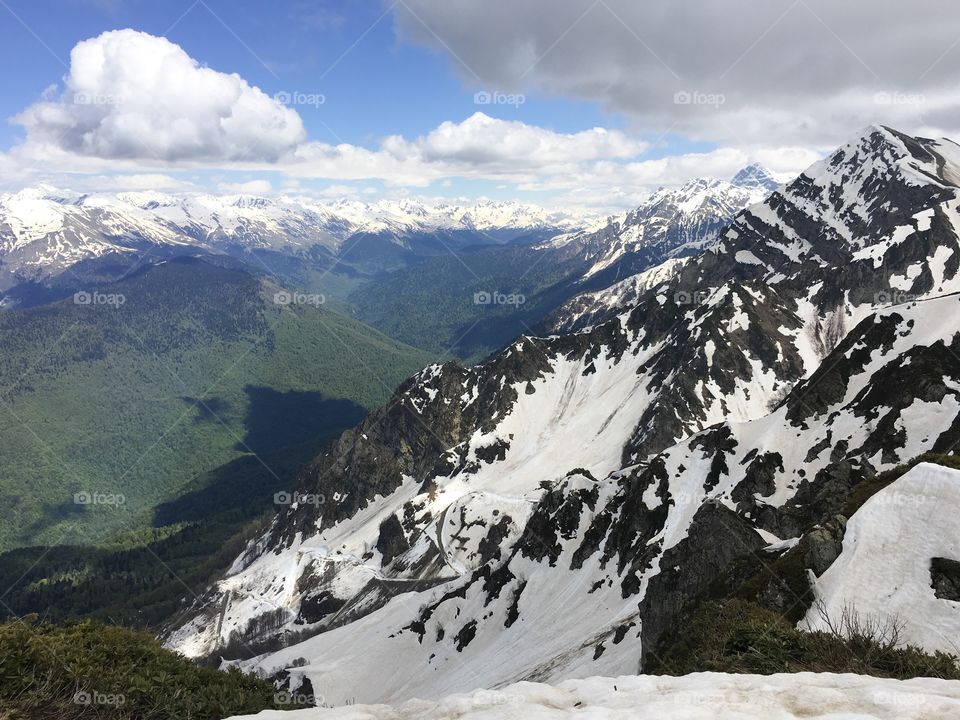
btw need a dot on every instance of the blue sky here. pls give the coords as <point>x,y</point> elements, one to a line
<point>408,68</point>
<point>373,83</point>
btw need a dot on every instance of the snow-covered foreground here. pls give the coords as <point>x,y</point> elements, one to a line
<point>693,697</point>
<point>884,569</point>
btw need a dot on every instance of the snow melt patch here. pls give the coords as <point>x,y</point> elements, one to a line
<point>701,696</point>
<point>883,572</point>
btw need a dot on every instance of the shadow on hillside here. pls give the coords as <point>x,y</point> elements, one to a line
<point>284,431</point>
<point>283,419</point>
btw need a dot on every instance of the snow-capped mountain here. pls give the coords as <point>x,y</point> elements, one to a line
<point>44,231</point>
<point>592,308</point>
<point>756,177</point>
<point>673,222</point>
<point>550,514</point>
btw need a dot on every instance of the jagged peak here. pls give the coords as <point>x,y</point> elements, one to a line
<point>754,176</point>
<point>877,146</point>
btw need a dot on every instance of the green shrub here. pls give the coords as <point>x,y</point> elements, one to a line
<point>870,487</point>
<point>89,670</point>
<point>735,636</point>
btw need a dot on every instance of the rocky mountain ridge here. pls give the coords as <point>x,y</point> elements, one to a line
<point>549,514</point>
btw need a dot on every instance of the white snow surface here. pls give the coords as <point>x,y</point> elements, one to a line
<point>599,304</point>
<point>702,696</point>
<point>884,569</point>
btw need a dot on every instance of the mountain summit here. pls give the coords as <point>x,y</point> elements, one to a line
<point>755,177</point>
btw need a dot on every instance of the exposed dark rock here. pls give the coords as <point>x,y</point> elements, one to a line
<point>466,634</point>
<point>392,541</point>
<point>760,479</point>
<point>945,578</point>
<point>824,543</point>
<point>315,608</point>
<point>717,537</point>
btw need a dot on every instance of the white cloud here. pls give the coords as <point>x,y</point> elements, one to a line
<point>487,142</point>
<point>480,147</point>
<point>250,187</point>
<point>132,95</point>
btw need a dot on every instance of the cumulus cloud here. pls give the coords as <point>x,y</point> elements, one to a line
<point>484,141</point>
<point>479,146</point>
<point>736,72</point>
<point>132,95</point>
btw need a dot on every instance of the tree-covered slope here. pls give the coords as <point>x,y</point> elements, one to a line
<point>122,400</point>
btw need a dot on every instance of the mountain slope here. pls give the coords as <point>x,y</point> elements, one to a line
<point>888,568</point>
<point>162,377</point>
<point>593,308</point>
<point>550,513</point>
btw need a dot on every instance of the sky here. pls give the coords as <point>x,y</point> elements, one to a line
<point>587,103</point>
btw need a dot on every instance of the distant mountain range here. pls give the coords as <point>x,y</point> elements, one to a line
<point>45,231</point>
<point>673,222</point>
<point>412,269</point>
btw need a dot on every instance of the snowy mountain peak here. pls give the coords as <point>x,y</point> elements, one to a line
<point>882,160</point>
<point>755,177</point>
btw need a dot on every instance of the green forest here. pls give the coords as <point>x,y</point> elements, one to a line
<point>108,411</point>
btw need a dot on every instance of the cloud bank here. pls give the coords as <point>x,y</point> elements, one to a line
<point>736,72</point>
